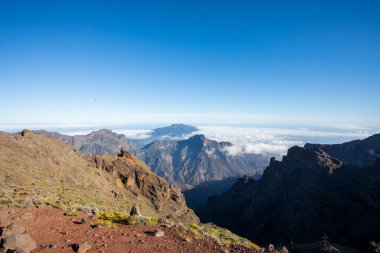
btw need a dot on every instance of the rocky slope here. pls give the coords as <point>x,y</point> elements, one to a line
<point>358,152</point>
<point>103,141</point>
<point>35,169</point>
<point>305,196</point>
<point>197,160</point>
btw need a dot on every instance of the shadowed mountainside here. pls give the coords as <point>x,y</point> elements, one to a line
<point>305,196</point>
<point>358,152</point>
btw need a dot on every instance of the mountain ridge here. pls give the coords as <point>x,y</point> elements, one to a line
<point>306,195</point>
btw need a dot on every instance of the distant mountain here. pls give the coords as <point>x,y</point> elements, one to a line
<point>103,141</point>
<point>184,162</point>
<point>198,159</point>
<point>305,196</point>
<point>357,152</point>
<point>172,132</point>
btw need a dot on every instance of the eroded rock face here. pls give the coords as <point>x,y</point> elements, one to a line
<point>137,177</point>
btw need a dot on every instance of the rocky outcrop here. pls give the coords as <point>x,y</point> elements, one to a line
<point>136,177</point>
<point>305,196</point>
<point>198,159</point>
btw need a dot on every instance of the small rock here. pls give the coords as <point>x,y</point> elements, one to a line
<point>271,248</point>
<point>26,133</point>
<point>84,248</point>
<point>135,210</point>
<point>159,233</point>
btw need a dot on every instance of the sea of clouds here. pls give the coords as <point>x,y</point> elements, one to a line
<point>260,140</point>
<point>273,141</point>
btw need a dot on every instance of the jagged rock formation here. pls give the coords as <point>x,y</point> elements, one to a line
<point>37,169</point>
<point>305,196</point>
<point>358,152</point>
<point>103,141</point>
<point>198,159</point>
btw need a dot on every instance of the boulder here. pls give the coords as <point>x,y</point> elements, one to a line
<point>159,233</point>
<point>20,243</point>
<point>26,133</point>
<point>135,210</point>
<point>14,229</point>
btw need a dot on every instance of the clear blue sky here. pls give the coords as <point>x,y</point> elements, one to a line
<point>103,61</point>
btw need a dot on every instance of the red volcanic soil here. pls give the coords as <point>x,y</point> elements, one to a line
<point>54,232</point>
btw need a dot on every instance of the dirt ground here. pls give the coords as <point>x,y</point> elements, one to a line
<point>55,232</point>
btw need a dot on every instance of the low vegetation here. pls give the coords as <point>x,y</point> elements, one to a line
<point>223,236</point>
<point>124,218</point>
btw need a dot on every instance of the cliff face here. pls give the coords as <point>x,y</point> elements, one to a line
<point>36,168</point>
<point>306,195</point>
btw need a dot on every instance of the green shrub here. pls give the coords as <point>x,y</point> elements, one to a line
<point>107,223</point>
<point>149,221</point>
<point>131,220</point>
<point>114,217</point>
<point>71,213</point>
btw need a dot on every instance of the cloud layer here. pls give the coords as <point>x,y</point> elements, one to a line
<point>273,141</point>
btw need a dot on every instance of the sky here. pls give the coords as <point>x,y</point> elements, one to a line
<point>273,63</point>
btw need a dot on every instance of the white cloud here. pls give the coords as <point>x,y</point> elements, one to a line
<point>135,134</point>
<point>273,141</point>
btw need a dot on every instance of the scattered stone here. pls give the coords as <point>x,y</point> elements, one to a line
<point>84,248</point>
<point>159,233</point>
<point>135,210</point>
<point>50,246</point>
<point>22,243</point>
<point>82,221</point>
